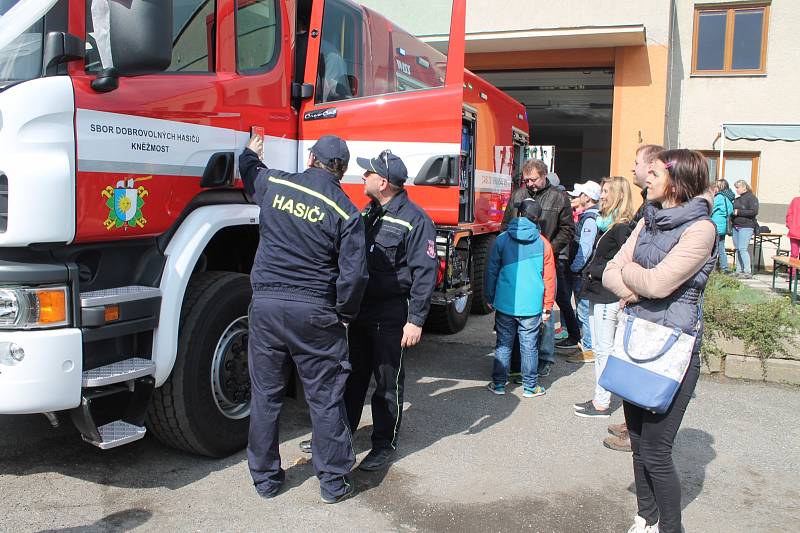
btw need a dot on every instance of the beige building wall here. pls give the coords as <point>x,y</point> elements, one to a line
<point>508,15</point>
<point>424,17</point>
<point>705,102</point>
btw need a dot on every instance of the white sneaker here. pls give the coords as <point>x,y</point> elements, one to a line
<point>640,526</point>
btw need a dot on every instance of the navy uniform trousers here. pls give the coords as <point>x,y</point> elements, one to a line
<point>312,336</point>
<point>375,352</point>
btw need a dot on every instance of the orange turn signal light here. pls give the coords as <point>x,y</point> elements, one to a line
<point>112,313</point>
<point>52,306</point>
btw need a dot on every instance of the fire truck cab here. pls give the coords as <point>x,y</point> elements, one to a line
<point>125,236</point>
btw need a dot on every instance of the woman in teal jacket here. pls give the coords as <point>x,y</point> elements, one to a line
<point>720,215</point>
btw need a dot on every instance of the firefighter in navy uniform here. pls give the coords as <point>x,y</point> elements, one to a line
<point>308,279</point>
<point>401,257</point>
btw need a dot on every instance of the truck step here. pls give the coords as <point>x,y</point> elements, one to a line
<point>118,295</point>
<point>117,433</point>
<point>118,372</point>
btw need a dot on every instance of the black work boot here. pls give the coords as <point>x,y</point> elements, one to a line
<point>350,489</point>
<point>377,459</point>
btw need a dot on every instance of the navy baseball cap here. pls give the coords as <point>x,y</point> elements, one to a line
<point>330,147</point>
<point>387,165</point>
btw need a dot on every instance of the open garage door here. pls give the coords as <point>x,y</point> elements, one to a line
<point>569,109</point>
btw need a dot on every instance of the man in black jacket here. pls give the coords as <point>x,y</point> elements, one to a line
<point>402,263</point>
<point>556,222</point>
<point>557,227</point>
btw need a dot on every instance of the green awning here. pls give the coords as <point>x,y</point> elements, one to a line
<point>762,132</point>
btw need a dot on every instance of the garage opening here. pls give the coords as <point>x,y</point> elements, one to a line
<point>568,109</point>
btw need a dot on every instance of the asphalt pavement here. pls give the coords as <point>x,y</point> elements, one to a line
<point>467,461</point>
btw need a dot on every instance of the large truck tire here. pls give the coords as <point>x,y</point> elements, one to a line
<point>482,246</point>
<point>450,318</point>
<point>204,406</point>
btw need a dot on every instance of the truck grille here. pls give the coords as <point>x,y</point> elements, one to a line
<point>3,203</point>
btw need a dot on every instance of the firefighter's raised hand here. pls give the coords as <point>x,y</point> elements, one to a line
<point>256,144</point>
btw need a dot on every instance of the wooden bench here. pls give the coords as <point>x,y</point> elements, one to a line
<point>731,252</point>
<point>791,265</point>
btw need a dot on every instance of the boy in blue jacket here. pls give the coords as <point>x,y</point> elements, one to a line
<point>521,286</point>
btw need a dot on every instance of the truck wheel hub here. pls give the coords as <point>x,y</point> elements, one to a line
<point>230,377</point>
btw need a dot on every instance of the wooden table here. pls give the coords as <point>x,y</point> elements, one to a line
<point>758,244</point>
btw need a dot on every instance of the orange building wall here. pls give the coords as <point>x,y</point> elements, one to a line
<point>640,89</point>
<point>640,99</point>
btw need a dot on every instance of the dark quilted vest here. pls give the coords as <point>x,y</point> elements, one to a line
<point>661,231</point>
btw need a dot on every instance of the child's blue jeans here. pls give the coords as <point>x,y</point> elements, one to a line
<point>527,328</point>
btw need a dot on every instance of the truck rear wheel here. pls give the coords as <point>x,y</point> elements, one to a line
<point>449,318</point>
<point>480,256</point>
<point>204,406</point>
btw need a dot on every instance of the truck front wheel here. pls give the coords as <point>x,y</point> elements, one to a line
<point>204,406</point>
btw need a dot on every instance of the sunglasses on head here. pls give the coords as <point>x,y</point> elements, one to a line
<point>385,156</point>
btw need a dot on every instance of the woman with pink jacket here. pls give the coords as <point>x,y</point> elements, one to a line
<point>793,223</point>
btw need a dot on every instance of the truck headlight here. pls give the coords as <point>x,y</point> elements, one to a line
<point>33,307</point>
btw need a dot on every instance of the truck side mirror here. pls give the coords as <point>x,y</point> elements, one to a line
<point>141,36</point>
<point>136,35</point>
<point>60,48</point>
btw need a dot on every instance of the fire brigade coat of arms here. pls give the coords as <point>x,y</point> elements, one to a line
<point>125,202</point>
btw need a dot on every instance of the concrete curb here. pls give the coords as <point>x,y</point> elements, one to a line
<point>738,365</point>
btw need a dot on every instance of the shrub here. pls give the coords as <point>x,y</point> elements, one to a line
<point>760,320</point>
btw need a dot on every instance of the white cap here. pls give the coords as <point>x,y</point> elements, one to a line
<point>590,189</point>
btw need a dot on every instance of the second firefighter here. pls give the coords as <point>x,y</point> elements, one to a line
<point>401,259</point>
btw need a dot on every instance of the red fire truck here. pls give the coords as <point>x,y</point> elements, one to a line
<point>126,238</point>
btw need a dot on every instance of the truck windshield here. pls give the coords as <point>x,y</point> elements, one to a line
<point>21,38</point>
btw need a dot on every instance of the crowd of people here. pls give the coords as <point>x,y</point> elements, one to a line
<point>375,270</point>
<point>592,247</point>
